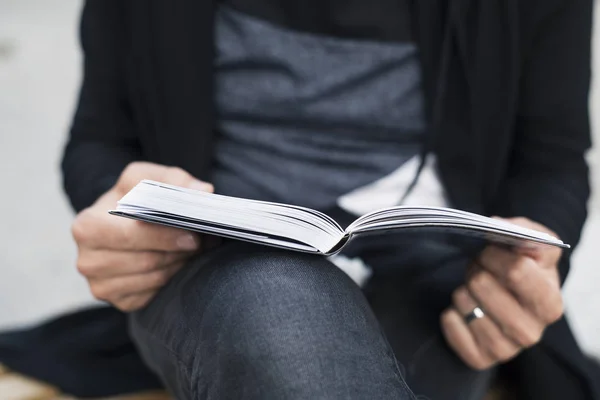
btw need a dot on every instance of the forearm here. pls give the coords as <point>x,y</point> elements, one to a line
<point>557,202</point>
<point>547,175</point>
<point>103,138</point>
<point>90,169</point>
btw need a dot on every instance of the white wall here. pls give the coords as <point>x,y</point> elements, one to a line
<point>39,74</point>
<point>583,286</point>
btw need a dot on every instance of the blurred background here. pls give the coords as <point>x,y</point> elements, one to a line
<point>39,77</point>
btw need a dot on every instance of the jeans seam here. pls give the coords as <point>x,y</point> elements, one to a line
<point>420,351</point>
<point>180,363</point>
<point>398,370</point>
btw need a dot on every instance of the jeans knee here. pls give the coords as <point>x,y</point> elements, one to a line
<point>256,299</point>
<point>262,280</point>
<point>273,318</point>
<point>275,274</point>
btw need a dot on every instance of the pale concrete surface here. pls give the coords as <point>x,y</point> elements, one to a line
<point>39,74</point>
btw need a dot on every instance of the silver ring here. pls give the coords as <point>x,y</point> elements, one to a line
<point>477,313</point>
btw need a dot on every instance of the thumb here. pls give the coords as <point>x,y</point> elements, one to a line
<point>544,254</point>
<point>138,171</point>
<point>527,223</point>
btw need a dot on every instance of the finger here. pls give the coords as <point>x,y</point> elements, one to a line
<point>547,256</point>
<point>461,340</point>
<point>533,287</point>
<point>110,263</point>
<point>487,334</point>
<point>137,171</point>
<point>516,323</point>
<point>115,289</point>
<point>94,228</point>
<point>521,274</point>
<point>529,224</point>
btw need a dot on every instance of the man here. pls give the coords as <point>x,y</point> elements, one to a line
<point>342,106</point>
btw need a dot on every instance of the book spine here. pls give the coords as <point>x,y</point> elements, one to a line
<point>339,246</point>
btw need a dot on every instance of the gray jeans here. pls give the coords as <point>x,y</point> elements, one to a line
<point>250,322</point>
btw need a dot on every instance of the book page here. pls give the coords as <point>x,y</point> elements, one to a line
<point>460,222</point>
<point>269,223</point>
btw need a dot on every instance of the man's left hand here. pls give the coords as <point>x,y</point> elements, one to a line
<point>519,293</point>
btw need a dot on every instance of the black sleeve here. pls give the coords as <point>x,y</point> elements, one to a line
<point>548,177</point>
<point>102,139</point>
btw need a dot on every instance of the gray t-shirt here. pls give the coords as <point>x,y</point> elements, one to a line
<point>305,118</point>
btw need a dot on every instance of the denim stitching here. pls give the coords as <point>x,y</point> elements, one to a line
<point>180,363</point>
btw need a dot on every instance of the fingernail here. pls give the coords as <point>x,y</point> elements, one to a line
<point>188,242</point>
<point>203,186</point>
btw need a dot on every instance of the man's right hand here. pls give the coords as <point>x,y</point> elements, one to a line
<point>124,261</point>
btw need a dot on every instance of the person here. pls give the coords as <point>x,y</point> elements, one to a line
<point>342,106</point>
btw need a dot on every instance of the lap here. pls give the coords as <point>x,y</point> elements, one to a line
<point>241,278</point>
<point>256,286</point>
<point>267,314</point>
<point>414,277</point>
<point>410,321</point>
<point>240,272</point>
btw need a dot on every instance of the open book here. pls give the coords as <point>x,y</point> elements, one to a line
<point>299,228</point>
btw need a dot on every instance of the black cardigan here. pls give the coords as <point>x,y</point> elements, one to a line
<point>506,85</point>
